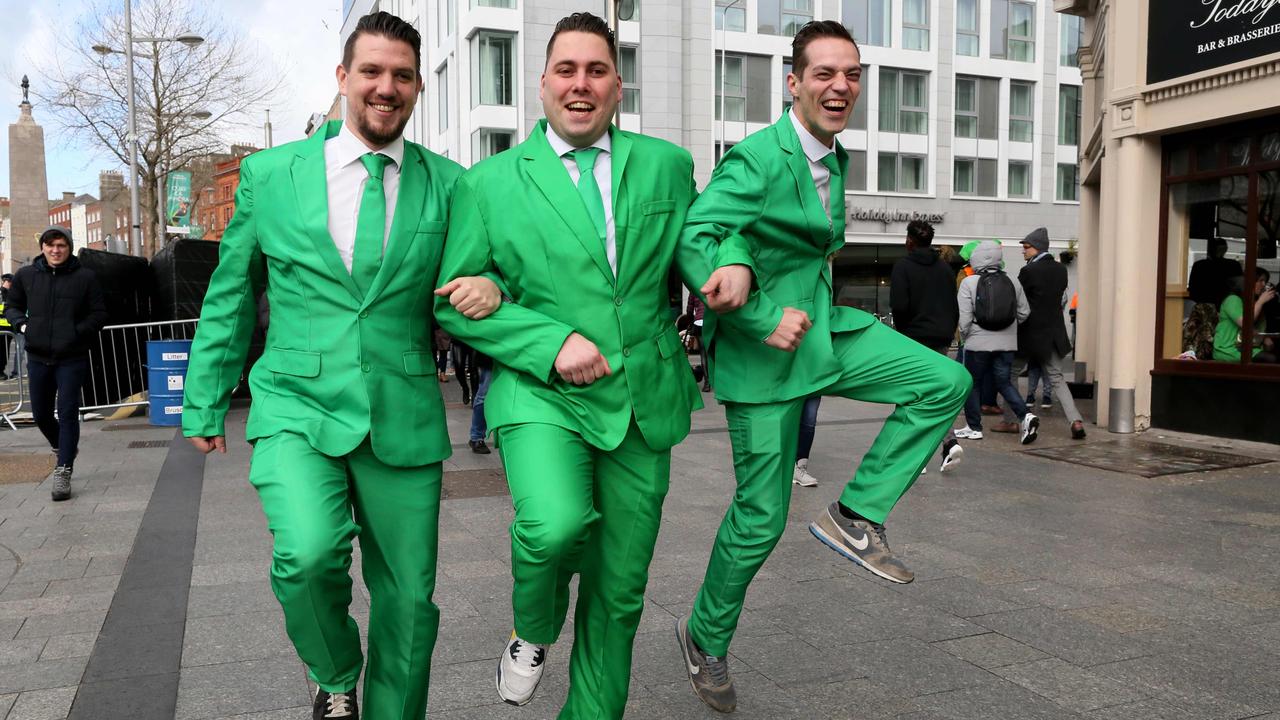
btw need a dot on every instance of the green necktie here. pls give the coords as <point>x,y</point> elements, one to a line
<point>835,189</point>
<point>371,223</point>
<point>589,190</point>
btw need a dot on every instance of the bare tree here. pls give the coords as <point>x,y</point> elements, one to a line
<point>175,85</point>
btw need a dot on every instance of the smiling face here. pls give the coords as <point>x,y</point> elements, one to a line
<point>580,88</point>
<point>381,86</point>
<point>56,250</point>
<point>828,87</point>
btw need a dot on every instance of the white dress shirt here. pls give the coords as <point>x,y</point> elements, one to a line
<point>815,151</point>
<point>345,177</point>
<point>604,178</point>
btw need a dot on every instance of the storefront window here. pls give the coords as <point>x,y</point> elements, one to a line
<point>1221,230</point>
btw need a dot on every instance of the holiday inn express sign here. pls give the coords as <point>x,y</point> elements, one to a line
<point>1187,36</point>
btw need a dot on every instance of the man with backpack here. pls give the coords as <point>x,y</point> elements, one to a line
<point>1043,337</point>
<point>992,304</point>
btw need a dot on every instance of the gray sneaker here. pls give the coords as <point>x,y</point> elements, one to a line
<point>61,477</point>
<point>862,542</point>
<point>708,674</point>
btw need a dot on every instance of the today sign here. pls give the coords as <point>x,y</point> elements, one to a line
<point>1188,36</point>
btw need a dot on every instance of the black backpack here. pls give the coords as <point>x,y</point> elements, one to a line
<point>995,306</point>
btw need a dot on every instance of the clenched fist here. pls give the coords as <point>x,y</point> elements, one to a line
<point>790,331</point>
<point>580,361</point>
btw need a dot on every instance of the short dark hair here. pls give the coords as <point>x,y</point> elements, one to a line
<point>587,23</point>
<point>388,26</point>
<point>921,232</point>
<point>1261,273</point>
<point>816,30</point>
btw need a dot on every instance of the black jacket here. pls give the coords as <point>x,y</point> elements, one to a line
<point>1045,332</point>
<point>922,295</point>
<point>62,308</point>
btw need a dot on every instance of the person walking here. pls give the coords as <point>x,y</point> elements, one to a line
<point>1043,336</point>
<point>56,304</point>
<point>6,341</point>
<point>347,421</point>
<point>781,193</point>
<point>479,427</point>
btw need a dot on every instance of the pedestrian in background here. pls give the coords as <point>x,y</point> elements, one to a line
<point>57,305</point>
<point>6,341</point>
<point>479,427</point>
<point>1043,337</point>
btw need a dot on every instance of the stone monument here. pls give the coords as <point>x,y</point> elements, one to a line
<point>28,183</point>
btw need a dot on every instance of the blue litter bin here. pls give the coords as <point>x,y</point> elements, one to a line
<point>166,372</point>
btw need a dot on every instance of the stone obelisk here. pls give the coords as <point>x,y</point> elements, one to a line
<point>28,183</point>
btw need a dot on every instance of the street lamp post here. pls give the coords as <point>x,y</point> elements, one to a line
<point>190,40</point>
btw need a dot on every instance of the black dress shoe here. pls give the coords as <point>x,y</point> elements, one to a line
<point>478,447</point>
<point>335,706</point>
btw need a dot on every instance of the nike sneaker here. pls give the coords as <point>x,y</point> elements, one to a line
<point>861,541</point>
<point>708,674</point>
<point>520,670</point>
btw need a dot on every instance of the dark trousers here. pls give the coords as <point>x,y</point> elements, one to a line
<point>58,383</point>
<point>999,364</point>
<point>808,426</point>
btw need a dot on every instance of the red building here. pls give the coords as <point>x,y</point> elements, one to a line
<point>218,202</point>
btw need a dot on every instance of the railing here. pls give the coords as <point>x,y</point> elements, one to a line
<point>13,392</point>
<point>117,377</point>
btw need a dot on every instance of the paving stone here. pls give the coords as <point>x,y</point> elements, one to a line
<point>1199,689</point>
<point>235,638</point>
<point>41,675</point>
<point>51,570</point>
<point>15,652</point>
<point>83,586</point>
<point>63,624</point>
<point>231,598</point>
<point>106,565</point>
<point>6,702</point>
<point>1120,618</point>
<point>225,573</point>
<point>1062,635</point>
<point>135,651</point>
<point>991,699</point>
<point>152,696</point>
<point>1069,686</point>
<point>962,596</point>
<point>990,650</point>
<point>68,646</point>
<point>260,685</point>
<point>23,590</point>
<point>52,704</point>
<point>910,667</point>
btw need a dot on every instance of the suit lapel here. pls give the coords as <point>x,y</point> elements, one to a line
<point>815,219</point>
<point>620,152</point>
<point>312,193</point>
<point>410,198</point>
<point>548,173</point>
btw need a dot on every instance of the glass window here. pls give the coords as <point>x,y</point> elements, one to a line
<point>915,25</point>
<point>903,173</point>
<point>494,69</point>
<point>858,119</point>
<point>730,87</point>
<point>487,142</point>
<point>731,18</point>
<point>1019,179</point>
<point>962,177</point>
<point>782,17</point>
<point>1013,30</point>
<point>1068,182</point>
<point>630,78</point>
<point>856,173</point>
<point>868,21</point>
<point>1021,110</point>
<point>787,99</point>
<point>442,89</point>
<point>966,107</point>
<point>493,3</point>
<point>904,102</point>
<point>1070,38</point>
<point>967,38</point>
<point>1069,115</point>
<point>974,176</point>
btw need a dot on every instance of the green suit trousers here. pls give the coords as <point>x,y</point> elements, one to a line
<point>595,512</point>
<point>315,505</point>
<point>880,365</point>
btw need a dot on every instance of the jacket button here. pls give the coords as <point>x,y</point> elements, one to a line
<point>626,352</point>
<point>364,314</point>
<point>618,301</point>
<point>366,367</point>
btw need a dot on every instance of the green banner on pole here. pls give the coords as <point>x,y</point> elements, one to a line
<point>178,192</point>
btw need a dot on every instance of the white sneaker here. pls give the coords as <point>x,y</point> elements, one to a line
<point>952,453</point>
<point>967,433</point>
<point>519,670</point>
<point>1030,426</point>
<point>801,475</point>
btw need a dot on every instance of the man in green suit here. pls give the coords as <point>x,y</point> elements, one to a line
<point>782,192</point>
<point>347,420</point>
<point>591,387</point>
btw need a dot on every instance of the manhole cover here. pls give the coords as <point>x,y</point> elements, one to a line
<point>1145,458</point>
<point>459,484</point>
<point>138,444</point>
<point>24,467</point>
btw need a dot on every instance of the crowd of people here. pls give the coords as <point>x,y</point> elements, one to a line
<point>1213,328</point>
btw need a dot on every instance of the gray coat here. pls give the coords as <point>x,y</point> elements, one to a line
<point>974,336</point>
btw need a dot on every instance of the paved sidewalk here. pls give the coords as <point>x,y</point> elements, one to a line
<point>1044,589</point>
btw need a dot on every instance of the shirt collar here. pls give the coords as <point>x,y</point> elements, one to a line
<point>560,146</point>
<point>348,148</point>
<point>813,147</point>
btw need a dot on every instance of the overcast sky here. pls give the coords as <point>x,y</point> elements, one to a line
<point>292,33</point>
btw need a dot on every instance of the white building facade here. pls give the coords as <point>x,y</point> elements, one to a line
<point>969,114</point>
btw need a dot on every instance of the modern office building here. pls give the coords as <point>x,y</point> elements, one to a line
<point>969,114</point>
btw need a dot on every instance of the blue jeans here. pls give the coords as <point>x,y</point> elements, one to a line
<point>808,426</point>
<point>1037,376</point>
<point>478,427</point>
<point>998,363</point>
<point>58,383</point>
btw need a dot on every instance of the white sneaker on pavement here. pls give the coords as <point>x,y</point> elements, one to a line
<point>801,475</point>
<point>519,670</point>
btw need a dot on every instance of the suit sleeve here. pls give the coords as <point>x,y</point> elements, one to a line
<point>227,319</point>
<point>712,237</point>
<point>520,338</point>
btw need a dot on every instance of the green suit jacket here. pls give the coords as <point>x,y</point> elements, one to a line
<point>518,216</point>
<point>762,197</point>
<point>337,367</point>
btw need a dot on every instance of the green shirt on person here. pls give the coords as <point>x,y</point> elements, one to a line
<point>1226,335</point>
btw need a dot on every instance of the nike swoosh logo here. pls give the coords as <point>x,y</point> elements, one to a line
<point>693,669</point>
<point>861,544</point>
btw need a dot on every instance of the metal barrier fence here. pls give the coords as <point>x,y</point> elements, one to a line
<point>13,376</point>
<point>117,377</point>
